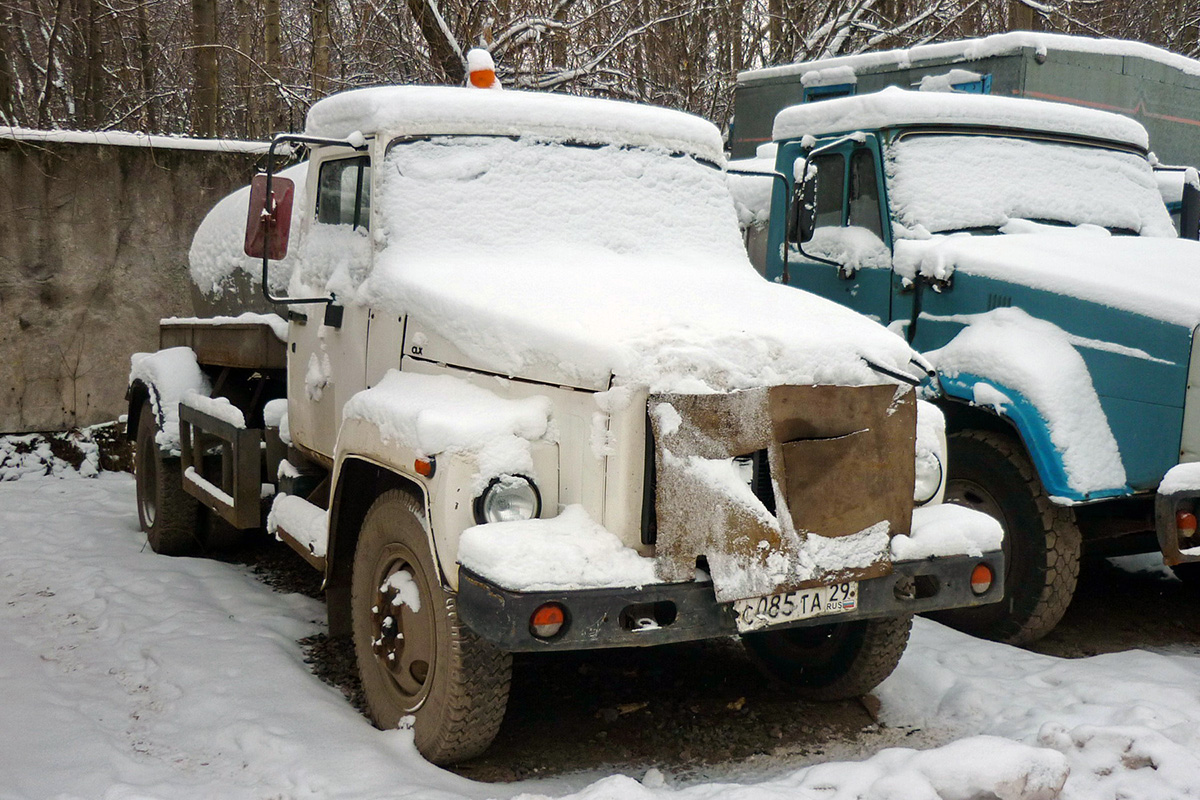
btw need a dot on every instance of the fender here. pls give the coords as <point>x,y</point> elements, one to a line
<point>1034,431</point>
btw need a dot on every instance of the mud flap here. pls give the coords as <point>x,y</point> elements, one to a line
<point>841,477</point>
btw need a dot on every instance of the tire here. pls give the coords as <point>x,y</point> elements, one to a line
<point>167,513</point>
<point>831,662</point>
<point>420,662</point>
<point>991,473</point>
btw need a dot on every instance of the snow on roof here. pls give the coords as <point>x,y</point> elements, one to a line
<point>132,139</point>
<point>433,110</point>
<point>894,107</point>
<point>974,49</point>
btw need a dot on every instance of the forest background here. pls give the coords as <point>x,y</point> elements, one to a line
<point>250,68</point>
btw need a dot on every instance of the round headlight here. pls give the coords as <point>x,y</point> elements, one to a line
<point>929,477</point>
<point>509,498</point>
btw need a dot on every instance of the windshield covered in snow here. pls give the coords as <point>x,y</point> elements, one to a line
<point>941,182</point>
<point>470,196</point>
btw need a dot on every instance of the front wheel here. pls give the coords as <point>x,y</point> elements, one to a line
<point>990,472</point>
<point>414,656</point>
<point>831,662</point>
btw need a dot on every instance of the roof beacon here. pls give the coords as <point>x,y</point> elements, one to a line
<point>482,69</point>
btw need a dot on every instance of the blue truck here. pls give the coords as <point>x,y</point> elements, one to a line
<point>1024,248</point>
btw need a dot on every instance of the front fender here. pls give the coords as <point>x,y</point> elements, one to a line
<point>1015,408</point>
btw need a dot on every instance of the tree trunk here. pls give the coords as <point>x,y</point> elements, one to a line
<point>1022,17</point>
<point>146,71</point>
<point>319,17</point>
<point>443,49</point>
<point>8,53</point>
<point>243,64</point>
<point>273,100</point>
<point>205,92</point>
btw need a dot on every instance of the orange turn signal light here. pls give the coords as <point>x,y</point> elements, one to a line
<point>1185,522</point>
<point>547,620</point>
<point>981,578</point>
<point>424,467</point>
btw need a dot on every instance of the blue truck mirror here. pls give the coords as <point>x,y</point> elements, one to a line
<point>1189,212</point>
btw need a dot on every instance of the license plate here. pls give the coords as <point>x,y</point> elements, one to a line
<point>761,612</point>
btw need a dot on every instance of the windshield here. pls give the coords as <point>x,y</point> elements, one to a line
<point>475,196</point>
<point>942,182</point>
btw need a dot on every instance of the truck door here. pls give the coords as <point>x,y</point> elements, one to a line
<point>849,230</point>
<point>328,350</point>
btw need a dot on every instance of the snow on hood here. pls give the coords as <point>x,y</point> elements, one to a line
<point>1154,277</point>
<point>588,263</point>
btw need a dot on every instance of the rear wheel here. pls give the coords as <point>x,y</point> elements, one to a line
<point>831,662</point>
<point>414,656</point>
<point>990,472</point>
<point>167,513</point>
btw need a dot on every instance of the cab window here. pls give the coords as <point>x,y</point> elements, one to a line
<point>831,170</point>
<point>344,192</point>
<point>864,193</point>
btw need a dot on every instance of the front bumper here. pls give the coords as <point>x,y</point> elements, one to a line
<point>681,612</point>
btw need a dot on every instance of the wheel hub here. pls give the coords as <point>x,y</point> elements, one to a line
<point>402,626</point>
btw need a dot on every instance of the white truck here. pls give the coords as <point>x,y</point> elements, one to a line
<point>530,395</point>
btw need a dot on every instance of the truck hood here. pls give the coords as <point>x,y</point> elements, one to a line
<point>594,319</point>
<point>1155,277</point>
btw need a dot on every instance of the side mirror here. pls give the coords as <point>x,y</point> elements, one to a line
<point>1189,212</point>
<point>269,219</point>
<point>803,220</point>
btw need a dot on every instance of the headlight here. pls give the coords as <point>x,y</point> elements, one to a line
<point>509,498</point>
<point>929,477</point>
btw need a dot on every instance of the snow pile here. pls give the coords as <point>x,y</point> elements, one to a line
<point>216,255</point>
<point>170,374</point>
<point>833,76</point>
<point>182,678</point>
<point>132,139</point>
<point>615,262</point>
<point>947,530</point>
<point>219,407</point>
<point>1181,478</point>
<point>851,246</point>
<point>570,551</point>
<point>894,106</point>
<point>434,414</point>
<point>931,443</point>
<point>440,110</point>
<point>1155,278</point>
<point>943,183</point>
<point>306,523</point>
<point>33,454</point>
<point>276,323</point>
<point>975,49</point>
<point>948,81</point>
<point>1037,359</point>
<point>752,194</point>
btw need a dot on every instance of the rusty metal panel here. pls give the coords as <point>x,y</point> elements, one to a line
<point>240,345</point>
<point>841,461</point>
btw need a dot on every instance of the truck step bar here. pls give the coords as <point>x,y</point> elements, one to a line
<point>222,466</point>
<point>302,526</point>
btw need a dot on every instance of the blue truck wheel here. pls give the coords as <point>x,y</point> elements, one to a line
<point>990,472</point>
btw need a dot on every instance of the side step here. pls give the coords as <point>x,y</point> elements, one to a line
<point>236,496</point>
<point>302,526</point>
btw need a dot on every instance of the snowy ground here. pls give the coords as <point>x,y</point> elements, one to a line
<point>130,675</point>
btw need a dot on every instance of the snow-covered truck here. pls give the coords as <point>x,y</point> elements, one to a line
<point>530,395</point>
<point>1024,248</point>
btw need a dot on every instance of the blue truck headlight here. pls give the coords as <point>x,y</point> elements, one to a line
<point>508,498</point>
<point>929,477</point>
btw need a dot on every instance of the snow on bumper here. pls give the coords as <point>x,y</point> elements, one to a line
<point>612,599</point>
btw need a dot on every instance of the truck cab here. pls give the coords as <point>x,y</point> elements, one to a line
<point>530,395</point>
<point>1023,247</point>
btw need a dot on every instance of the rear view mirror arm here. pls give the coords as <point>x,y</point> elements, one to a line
<point>269,214</point>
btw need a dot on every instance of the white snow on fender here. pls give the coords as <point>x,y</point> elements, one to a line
<point>1036,358</point>
<point>568,552</point>
<point>435,414</point>
<point>947,530</point>
<point>170,374</point>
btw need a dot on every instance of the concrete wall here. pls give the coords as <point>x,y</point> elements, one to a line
<point>93,252</point>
